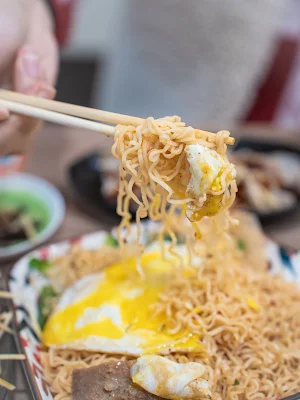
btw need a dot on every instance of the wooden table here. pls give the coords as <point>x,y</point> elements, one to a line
<point>56,147</point>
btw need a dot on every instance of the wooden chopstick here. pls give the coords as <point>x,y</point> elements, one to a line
<point>4,294</point>
<point>6,385</point>
<point>71,109</point>
<point>18,357</point>
<point>65,114</point>
<point>58,118</point>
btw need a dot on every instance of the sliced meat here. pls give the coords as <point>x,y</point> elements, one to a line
<point>110,380</point>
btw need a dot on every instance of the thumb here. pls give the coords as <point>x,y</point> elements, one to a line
<point>27,70</point>
<point>28,74</point>
<point>28,79</point>
<point>17,132</point>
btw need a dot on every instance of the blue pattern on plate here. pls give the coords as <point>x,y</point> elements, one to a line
<point>286,260</point>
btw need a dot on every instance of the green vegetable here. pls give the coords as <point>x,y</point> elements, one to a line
<point>45,304</point>
<point>111,241</point>
<point>236,382</point>
<point>241,245</point>
<point>39,265</point>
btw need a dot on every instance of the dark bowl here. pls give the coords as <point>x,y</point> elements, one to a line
<point>85,179</point>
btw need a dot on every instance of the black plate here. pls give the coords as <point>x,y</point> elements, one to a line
<point>85,179</point>
<point>265,146</point>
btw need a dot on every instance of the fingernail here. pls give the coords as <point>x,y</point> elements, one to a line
<point>46,91</point>
<point>30,64</point>
<point>4,113</point>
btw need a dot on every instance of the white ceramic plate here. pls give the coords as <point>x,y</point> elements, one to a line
<point>20,282</point>
<point>45,193</point>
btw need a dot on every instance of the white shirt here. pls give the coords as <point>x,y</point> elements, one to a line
<point>200,59</point>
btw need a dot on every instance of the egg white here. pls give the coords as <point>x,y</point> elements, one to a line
<point>205,166</point>
<point>109,312</point>
<point>169,379</point>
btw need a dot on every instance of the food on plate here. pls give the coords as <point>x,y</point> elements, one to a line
<point>263,180</point>
<point>111,311</point>
<point>106,381</point>
<point>63,271</point>
<point>288,167</point>
<point>156,312</point>
<point>22,217</point>
<point>173,165</point>
<point>80,262</point>
<point>148,377</point>
<point>169,379</point>
<point>239,322</point>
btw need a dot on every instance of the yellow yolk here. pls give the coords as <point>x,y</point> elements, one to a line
<point>210,208</point>
<point>206,169</point>
<point>213,204</point>
<point>252,304</point>
<point>127,297</point>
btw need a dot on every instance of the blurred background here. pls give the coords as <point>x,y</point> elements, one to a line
<point>208,62</point>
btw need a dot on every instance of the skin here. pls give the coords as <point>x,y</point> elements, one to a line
<point>28,64</point>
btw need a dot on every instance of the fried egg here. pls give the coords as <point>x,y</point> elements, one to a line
<point>169,379</point>
<point>111,312</point>
<point>205,184</point>
<point>205,167</point>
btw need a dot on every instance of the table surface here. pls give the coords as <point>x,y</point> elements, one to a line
<point>56,147</point>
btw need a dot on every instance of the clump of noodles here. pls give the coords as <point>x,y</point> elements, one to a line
<point>153,157</point>
<point>67,269</point>
<point>248,321</point>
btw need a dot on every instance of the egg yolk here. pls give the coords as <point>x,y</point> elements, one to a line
<point>131,295</point>
<point>210,208</point>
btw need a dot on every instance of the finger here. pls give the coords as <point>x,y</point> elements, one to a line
<point>29,75</point>
<point>27,70</point>
<point>29,79</point>
<point>17,133</point>
<point>45,91</point>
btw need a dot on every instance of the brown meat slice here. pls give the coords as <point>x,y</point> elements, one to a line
<point>110,380</point>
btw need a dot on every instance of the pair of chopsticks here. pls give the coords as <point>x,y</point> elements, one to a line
<point>63,113</point>
<point>72,115</point>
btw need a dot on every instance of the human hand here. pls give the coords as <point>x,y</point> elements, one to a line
<point>28,64</point>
